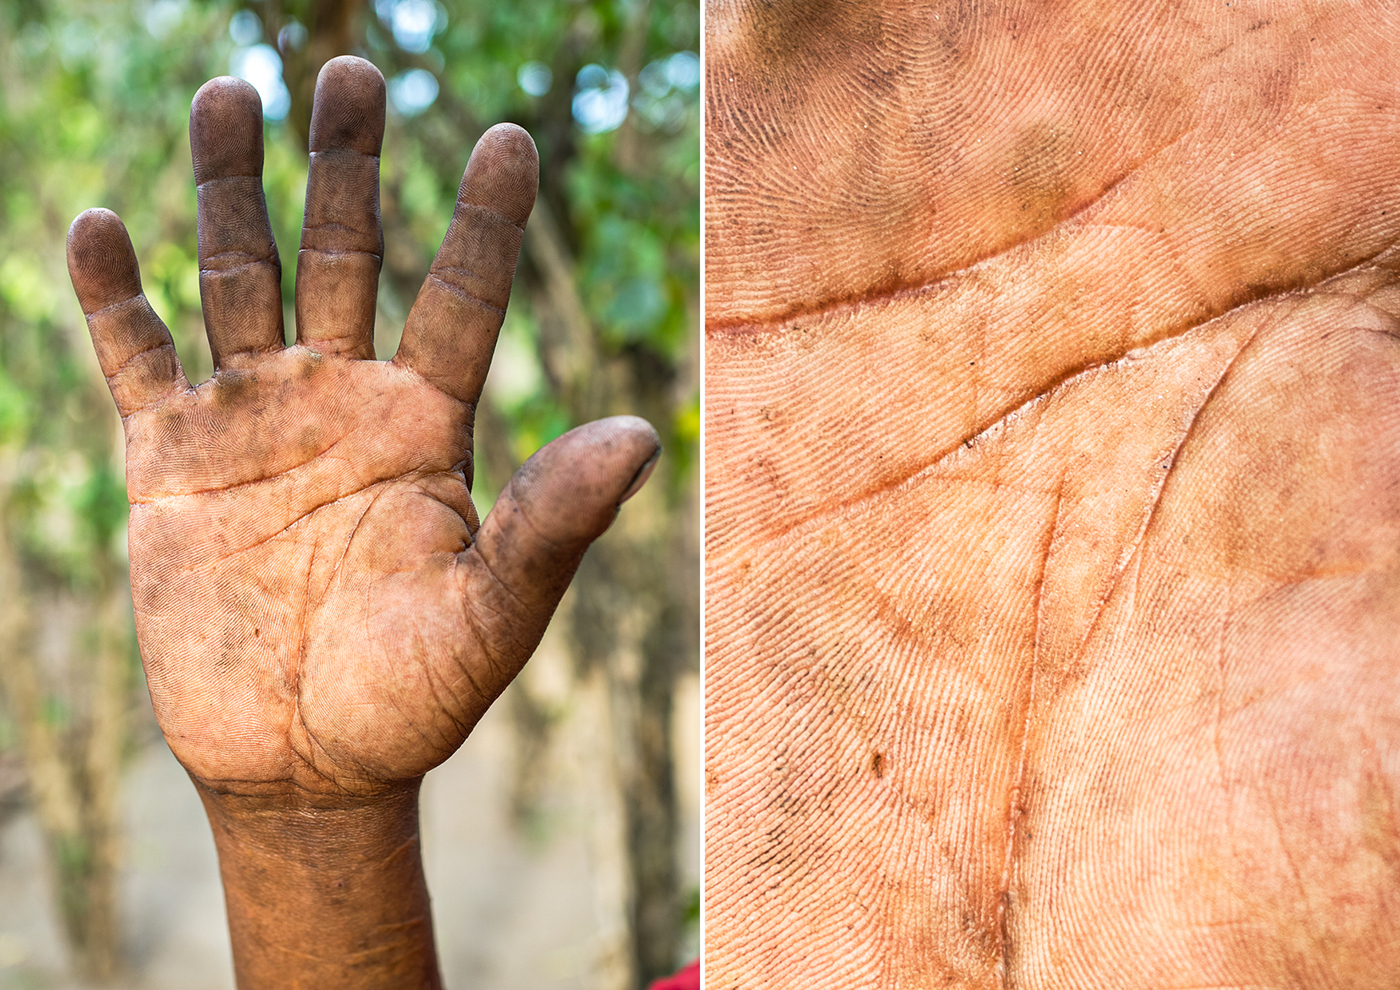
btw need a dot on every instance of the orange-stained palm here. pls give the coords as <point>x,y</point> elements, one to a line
<point>1053,497</point>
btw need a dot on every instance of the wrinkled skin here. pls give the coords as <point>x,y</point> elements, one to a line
<point>321,617</point>
<point>1053,495</point>
<point>312,606</point>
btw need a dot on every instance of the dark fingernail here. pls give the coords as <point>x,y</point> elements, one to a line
<point>640,478</point>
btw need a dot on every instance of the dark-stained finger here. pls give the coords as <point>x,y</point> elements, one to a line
<point>342,243</point>
<point>133,346</point>
<point>451,330</point>
<point>240,276</point>
<point>528,547</point>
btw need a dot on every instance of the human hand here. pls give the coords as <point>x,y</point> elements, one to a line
<point>1053,529</point>
<point>321,618</point>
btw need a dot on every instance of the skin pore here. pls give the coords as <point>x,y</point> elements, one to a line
<point>1053,495</point>
<point>322,616</point>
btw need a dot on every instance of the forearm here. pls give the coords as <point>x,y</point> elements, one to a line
<point>325,897</point>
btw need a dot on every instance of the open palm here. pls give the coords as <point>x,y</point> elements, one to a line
<point>317,609</point>
<point>1053,398</point>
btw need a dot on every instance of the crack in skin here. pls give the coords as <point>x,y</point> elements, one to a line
<point>340,253</point>
<point>1015,805</point>
<point>741,326</point>
<point>463,293</point>
<point>1234,366</point>
<point>479,210</point>
<point>835,509</point>
<point>214,264</point>
<point>137,356</point>
<point>1130,553</point>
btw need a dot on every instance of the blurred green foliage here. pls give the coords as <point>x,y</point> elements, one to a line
<point>94,103</point>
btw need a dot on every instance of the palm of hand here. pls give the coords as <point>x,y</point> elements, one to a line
<point>1082,673</point>
<point>318,611</point>
<point>327,527</point>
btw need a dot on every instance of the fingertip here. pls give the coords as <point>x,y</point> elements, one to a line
<point>226,92</point>
<point>226,136</point>
<point>503,173</point>
<point>91,221</point>
<point>643,474</point>
<point>101,260</point>
<point>348,109</point>
<point>630,438</point>
<point>351,70</point>
<point>631,441</point>
<point>619,446</point>
<point>514,140</point>
<point>581,478</point>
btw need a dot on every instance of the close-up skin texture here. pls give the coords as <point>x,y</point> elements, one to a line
<point>1053,494</point>
<point>322,617</point>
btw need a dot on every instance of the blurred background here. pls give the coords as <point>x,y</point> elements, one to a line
<point>562,842</point>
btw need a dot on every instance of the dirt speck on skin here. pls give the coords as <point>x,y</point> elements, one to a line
<point>877,764</point>
<point>1380,829</point>
<point>311,363</point>
<point>787,31</point>
<point>1039,170</point>
<point>232,388</point>
<point>309,441</point>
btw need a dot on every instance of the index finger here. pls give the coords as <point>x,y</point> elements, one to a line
<point>451,330</point>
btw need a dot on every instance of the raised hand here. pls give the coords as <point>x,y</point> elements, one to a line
<point>1053,529</point>
<point>321,617</point>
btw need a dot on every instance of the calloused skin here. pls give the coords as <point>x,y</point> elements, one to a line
<point>321,616</point>
<point>1053,495</point>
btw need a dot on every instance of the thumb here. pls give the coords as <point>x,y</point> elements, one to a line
<point>528,547</point>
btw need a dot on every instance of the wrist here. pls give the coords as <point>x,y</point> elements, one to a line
<point>324,893</point>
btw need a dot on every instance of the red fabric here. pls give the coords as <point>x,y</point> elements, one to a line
<point>686,979</point>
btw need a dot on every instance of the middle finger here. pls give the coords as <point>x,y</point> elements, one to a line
<point>342,243</point>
